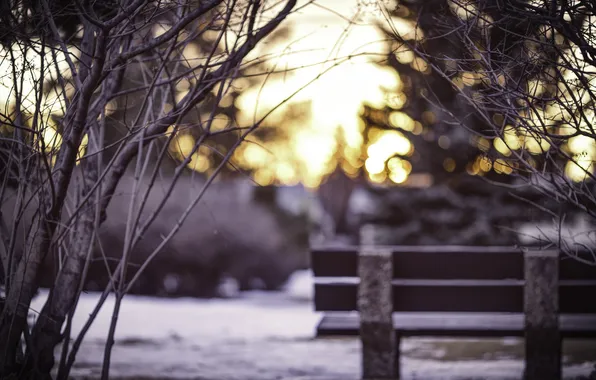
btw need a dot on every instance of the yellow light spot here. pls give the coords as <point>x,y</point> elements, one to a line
<point>170,130</point>
<point>407,29</point>
<point>485,163</point>
<point>180,95</point>
<point>388,144</point>
<point>582,144</point>
<point>464,10</point>
<point>51,139</point>
<point>111,107</point>
<point>567,129</point>
<point>378,178</point>
<point>83,146</point>
<point>449,164</point>
<point>199,162</point>
<point>255,155</point>
<point>483,144</point>
<point>536,145</point>
<point>418,128</point>
<point>501,147</point>
<point>226,101</point>
<point>285,173</point>
<point>183,85</point>
<point>396,163</point>
<point>472,168</point>
<point>191,54</point>
<point>511,138</point>
<point>311,182</point>
<point>401,120</point>
<point>536,88</point>
<point>578,169</point>
<point>502,167</point>
<point>398,176</point>
<point>183,144</point>
<point>469,78</point>
<point>458,82</point>
<point>352,156</point>
<point>54,101</point>
<point>264,177</point>
<point>420,65</point>
<point>429,117</point>
<point>160,29</point>
<point>397,101</point>
<point>444,142</point>
<point>501,80</point>
<point>405,56</point>
<point>374,165</point>
<point>220,122</point>
<point>349,169</point>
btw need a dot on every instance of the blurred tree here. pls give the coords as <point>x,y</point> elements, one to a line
<point>520,77</point>
<point>427,109</point>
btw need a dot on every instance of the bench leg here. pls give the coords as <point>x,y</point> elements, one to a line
<point>543,355</point>
<point>379,357</point>
<point>375,303</point>
<point>541,304</point>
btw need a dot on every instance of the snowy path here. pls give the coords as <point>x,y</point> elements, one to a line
<point>270,336</point>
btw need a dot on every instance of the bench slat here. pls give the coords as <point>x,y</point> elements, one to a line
<point>443,262</point>
<point>457,325</point>
<point>456,296</point>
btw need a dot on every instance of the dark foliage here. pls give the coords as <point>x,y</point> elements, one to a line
<point>27,19</point>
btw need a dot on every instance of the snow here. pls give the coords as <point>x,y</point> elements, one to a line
<point>300,285</point>
<point>267,335</point>
<point>578,231</point>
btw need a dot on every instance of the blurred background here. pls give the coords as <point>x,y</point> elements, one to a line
<point>360,144</point>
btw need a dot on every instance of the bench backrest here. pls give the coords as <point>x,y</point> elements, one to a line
<point>449,279</point>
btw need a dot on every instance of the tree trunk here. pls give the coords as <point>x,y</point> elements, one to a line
<point>23,286</point>
<point>46,333</point>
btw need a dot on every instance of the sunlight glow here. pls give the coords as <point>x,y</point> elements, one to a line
<point>28,65</point>
<point>385,145</point>
<point>341,59</point>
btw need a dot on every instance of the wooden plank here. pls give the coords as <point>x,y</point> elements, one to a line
<point>461,264</point>
<point>334,262</point>
<point>456,325</point>
<point>347,249</point>
<point>577,297</point>
<point>572,269</point>
<point>443,262</point>
<point>424,282</point>
<point>541,309</point>
<point>454,295</point>
<point>422,297</point>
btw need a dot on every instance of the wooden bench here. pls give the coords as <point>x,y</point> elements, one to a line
<point>383,293</point>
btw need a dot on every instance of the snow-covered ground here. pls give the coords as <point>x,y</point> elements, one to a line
<point>271,336</point>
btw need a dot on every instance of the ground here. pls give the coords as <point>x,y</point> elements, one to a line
<point>270,335</point>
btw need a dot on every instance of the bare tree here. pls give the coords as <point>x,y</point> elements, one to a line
<point>524,77</point>
<point>68,64</point>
